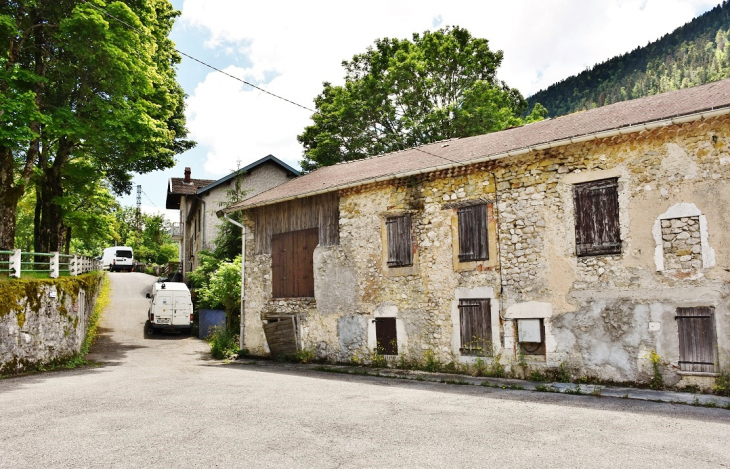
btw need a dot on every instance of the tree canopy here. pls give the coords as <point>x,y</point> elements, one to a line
<point>401,93</point>
<point>91,100</point>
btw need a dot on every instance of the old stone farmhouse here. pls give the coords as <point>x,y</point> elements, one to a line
<point>589,240</point>
<point>199,199</point>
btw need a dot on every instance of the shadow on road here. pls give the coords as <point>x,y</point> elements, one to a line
<point>528,397</point>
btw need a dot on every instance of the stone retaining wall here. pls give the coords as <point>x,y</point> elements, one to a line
<point>44,321</point>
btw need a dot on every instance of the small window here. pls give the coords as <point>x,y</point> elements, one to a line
<point>400,245</point>
<point>697,339</point>
<point>473,239</point>
<point>596,218</point>
<point>476,327</point>
<point>386,336</point>
<point>292,263</point>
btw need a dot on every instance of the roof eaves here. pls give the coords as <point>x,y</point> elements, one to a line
<point>620,130</point>
<point>245,169</point>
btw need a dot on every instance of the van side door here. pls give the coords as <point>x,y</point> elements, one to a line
<point>183,308</point>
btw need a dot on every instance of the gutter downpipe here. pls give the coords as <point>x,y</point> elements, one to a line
<point>243,278</point>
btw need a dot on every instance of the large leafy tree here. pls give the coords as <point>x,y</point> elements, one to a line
<point>401,93</point>
<point>92,92</point>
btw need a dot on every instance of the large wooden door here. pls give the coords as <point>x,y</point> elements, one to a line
<point>292,263</point>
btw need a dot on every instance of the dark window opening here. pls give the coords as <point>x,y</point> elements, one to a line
<point>476,327</point>
<point>473,239</point>
<point>697,339</point>
<point>125,254</point>
<point>597,230</point>
<point>400,245</point>
<point>292,263</point>
<point>386,336</point>
<point>533,347</point>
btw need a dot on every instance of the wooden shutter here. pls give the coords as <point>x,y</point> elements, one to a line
<point>473,238</point>
<point>400,245</point>
<point>697,339</point>
<point>292,263</point>
<point>386,336</point>
<point>476,327</point>
<point>596,218</point>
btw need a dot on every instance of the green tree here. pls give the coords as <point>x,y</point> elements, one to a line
<point>80,85</point>
<point>402,93</point>
<point>224,289</point>
<point>228,240</point>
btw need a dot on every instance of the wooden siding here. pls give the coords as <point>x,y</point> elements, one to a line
<point>697,339</point>
<point>321,212</point>
<point>281,335</point>
<point>597,228</point>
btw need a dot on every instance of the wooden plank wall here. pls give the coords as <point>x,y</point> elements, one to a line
<point>281,336</point>
<point>320,211</point>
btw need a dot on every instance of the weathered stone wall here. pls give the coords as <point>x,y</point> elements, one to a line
<point>602,314</point>
<point>681,237</point>
<point>44,321</point>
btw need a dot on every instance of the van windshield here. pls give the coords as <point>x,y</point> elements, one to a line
<point>126,254</point>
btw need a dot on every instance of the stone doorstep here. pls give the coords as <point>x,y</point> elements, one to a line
<point>506,383</point>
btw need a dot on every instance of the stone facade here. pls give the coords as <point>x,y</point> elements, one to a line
<point>601,315</point>
<point>43,322</point>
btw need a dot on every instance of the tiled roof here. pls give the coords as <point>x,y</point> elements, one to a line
<point>434,156</point>
<point>179,187</point>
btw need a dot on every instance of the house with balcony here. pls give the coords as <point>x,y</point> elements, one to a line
<point>198,200</point>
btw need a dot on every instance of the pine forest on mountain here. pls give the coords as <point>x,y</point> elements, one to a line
<point>693,54</point>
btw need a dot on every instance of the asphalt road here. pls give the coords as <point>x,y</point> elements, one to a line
<point>161,402</point>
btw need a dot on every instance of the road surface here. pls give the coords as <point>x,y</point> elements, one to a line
<point>160,401</point>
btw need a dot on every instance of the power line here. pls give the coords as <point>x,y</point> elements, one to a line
<point>102,10</point>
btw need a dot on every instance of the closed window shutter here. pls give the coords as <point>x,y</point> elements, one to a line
<point>386,336</point>
<point>476,327</point>
<point>473,234</point>
<point>400,246</point>
<point>292,263</point>
<point>697,339</point>
<point>597,229</point>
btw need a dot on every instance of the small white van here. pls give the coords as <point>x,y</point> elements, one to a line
<point>118,258</point>
<point>171,307</point>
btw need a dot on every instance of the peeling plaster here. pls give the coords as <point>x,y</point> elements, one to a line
<point>681,210</point>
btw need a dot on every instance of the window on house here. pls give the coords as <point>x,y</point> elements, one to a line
<point>476,327</point>
<point>596,218</point>
<point>292,263</point>
<point>697,339</point>
<point>473,239</point>
<point>400,245</point>
<point>386,336</point>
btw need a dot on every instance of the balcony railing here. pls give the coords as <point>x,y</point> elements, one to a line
<point>176,231</point>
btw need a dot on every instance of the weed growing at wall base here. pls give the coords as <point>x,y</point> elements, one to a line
<point>223,344</point>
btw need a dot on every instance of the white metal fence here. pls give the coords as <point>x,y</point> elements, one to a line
<point>16,263</point>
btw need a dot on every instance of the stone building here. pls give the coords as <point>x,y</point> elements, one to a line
<point>589,240</point>
<point>199,199</point>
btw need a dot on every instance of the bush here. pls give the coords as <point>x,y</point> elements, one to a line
<point>223,344</point>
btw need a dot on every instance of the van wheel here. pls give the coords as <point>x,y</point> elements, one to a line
<point>148,328</point>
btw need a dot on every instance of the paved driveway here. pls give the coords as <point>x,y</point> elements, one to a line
<point>161,402</point>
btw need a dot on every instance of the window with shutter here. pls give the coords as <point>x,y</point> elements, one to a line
<point>476,327</point>
<point>292,263</point>
<point>596,218</point>
<point>386,336</point>
<point>400,245</point>
<point>697,339</point>
<point>473,234</point>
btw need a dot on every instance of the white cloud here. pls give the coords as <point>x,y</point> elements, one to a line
<point>301,44</point>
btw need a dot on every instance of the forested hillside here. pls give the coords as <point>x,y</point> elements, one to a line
<point>694,54</point>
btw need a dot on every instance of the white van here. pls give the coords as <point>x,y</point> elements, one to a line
<point>118,258</point>
<point>171,307</point>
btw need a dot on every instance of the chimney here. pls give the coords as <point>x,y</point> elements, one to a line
<point>187,176</point>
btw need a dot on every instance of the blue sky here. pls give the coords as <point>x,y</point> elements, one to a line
<point>290,47</point>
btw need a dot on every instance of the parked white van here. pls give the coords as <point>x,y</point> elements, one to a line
<point>118,258</point>
<point>171,307</point>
